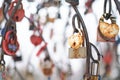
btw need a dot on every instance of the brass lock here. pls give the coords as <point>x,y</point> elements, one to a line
<point>107,31</point>
<point>76,40</point>
<point>47,66</point>
<point>76,50</point>
<point>95,71</point>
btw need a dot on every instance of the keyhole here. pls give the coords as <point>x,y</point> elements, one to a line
<point>17,18</point>
<point>74,43</point>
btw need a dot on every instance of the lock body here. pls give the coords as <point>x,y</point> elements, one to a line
<point>19,14</point>
<point>95,71</point>
<point>107,31</point>
<point>36,40</point>
<point>77,53</point>
<point>10,44</point>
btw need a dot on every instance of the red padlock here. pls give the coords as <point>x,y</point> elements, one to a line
<point>19,14</point>
<point>10,44</point>
<point>36,40</point>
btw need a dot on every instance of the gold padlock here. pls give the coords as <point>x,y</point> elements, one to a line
<point>107,31</point>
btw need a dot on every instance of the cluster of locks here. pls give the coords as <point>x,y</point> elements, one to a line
<point>80,46</point>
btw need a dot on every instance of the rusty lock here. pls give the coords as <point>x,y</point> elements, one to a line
<point>47,65</point>
<point>107,31</point>
<point>19,14</point>
<point>76,42</point>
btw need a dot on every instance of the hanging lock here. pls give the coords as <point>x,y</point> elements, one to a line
<point>95,71</point>
<point>106,31</point>
<point>76,41</point>
<point>47,66</point>
<point>19,14</point>
<point>10,44</point>
<point>77,49</point>
<point>36,38</point>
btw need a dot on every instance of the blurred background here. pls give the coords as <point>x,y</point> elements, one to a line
<point>54,19</point>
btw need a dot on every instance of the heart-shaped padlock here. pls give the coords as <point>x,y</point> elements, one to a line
<point>19,14</point>
<point>36,37</point>
<point>108,31</point>
<point>10,44</point>
<point>36,40</point>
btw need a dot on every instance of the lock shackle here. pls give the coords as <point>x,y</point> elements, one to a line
<point>73,23</point>
<point>113,19</point>
<point>107,14</point>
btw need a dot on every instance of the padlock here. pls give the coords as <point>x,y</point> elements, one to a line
<point>77,53</point>
<point>36,40</point>
<point>10,44</point>
<point>47,66</point>
<point>19,14</point>
<point>76,42</point>
<point>106,31</point>
<point>95,71</point>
